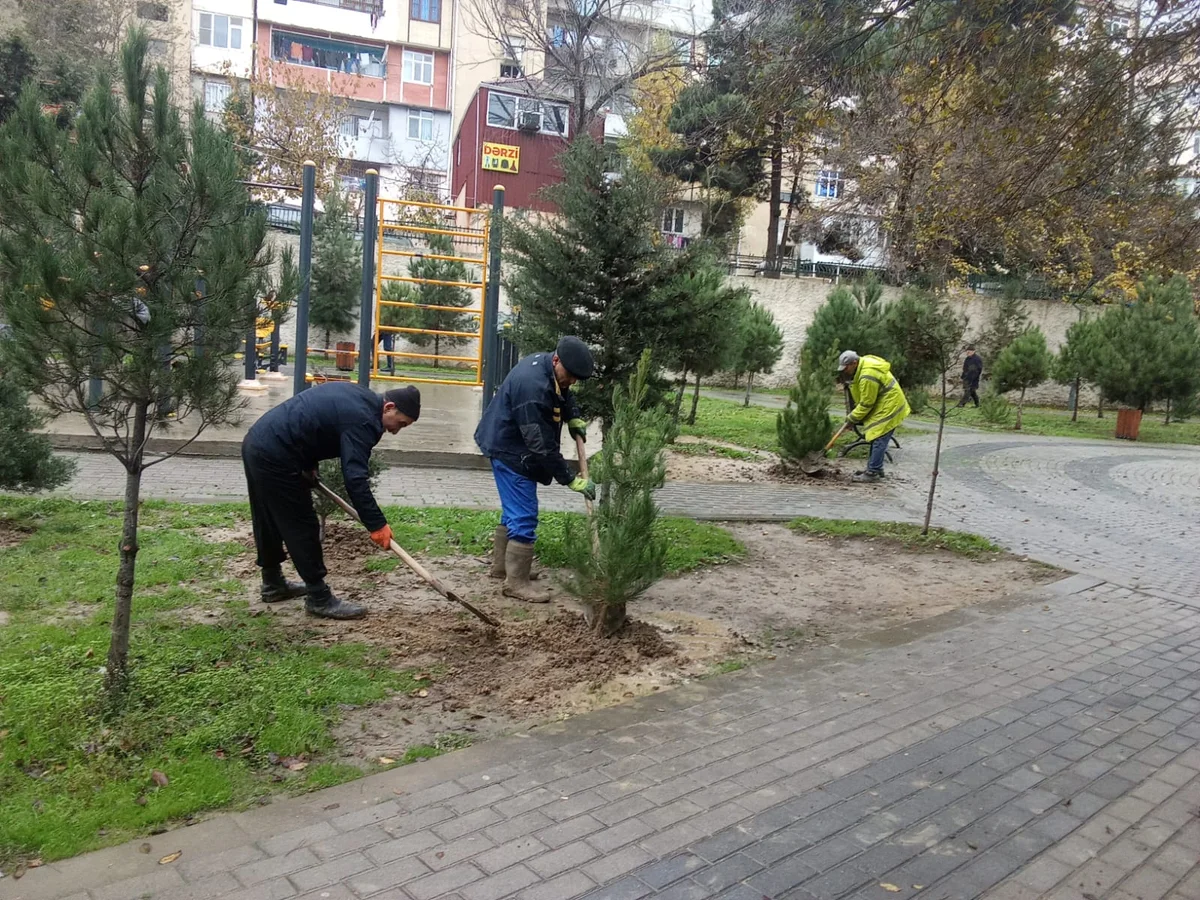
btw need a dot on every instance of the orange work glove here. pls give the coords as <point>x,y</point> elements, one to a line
<point>383,537</point>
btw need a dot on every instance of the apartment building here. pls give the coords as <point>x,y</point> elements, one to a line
<point>389,61</point>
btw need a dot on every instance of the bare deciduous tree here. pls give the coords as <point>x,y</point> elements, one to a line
<point>591,51</point>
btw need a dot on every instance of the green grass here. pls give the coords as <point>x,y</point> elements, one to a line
<point>726,666</point>
<point>1057,422</point>
<point>901,534</point>
<point>703,448</point>
<point>214,700</point>
<point>746,426</point>
<point>317,361</point>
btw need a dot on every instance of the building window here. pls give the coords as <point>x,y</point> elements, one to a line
<point>512,51</point>
<point>154,12</point>
<point>830,184</point>
<point>220,31</point>
<point>427,10</point>
<point>418,67</point>
<point>325,53</point>
<point>420,125</point>
<point>559,37</point>
<point>216,95</point>
<point>507,111</point>
<point>356,126</point>
<point>673,221</point>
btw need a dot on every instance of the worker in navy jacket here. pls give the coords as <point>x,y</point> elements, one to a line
<point>281,453</point>
<point>521,433</point>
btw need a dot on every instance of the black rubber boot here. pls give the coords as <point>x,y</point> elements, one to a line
<point>322,602</point>
<point>275,587</point>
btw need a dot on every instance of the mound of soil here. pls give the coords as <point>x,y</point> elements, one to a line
<point>543,663</point>
<point>12,534</point>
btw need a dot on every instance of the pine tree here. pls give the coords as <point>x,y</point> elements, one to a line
<point>100,269</point>
<point>330,473</point>
<point>1148,350</point>
<point>26,461</point>
<point>1023,364</point>
<point>761,344</point>
<point>700,340</point>
<point>845,323</point>
<point>1075,363</point>
<point>915,325</point>
<point>17,65</point>
<point>431,268</point>
<point>597,270</point>
<point>1010,319</point>
<point>336,271</point>
<point>626,555</point>
<point>280,299</point>
<point>804,426</point>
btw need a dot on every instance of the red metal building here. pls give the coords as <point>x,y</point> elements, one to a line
<point>511,134</point>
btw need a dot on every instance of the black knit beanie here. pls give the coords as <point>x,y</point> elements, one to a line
<point>407,400</point>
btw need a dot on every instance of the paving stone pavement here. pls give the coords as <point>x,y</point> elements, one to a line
<point>1046,745</point>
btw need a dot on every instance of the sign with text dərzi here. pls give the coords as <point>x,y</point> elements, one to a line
<point>501,157</point>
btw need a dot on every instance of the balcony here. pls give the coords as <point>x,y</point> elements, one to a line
<point>325,53</point>
<point>365,6</point>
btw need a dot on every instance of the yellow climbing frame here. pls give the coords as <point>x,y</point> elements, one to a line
<point>405,227</point>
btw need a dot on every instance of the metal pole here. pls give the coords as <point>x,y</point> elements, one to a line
<point>251,371</point>
<point>367,333</point>
<point>300,351</point>
<point>491,303</point>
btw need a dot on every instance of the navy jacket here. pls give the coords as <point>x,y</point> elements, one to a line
<point>337,420</point>
<point>972,369</point>
<point>522,426</point>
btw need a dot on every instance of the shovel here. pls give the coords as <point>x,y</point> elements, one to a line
<point>581,455</point>
<point>428,577</point>
<point>812,463</point>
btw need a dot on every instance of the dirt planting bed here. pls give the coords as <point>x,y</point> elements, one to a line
<point>791,592</point>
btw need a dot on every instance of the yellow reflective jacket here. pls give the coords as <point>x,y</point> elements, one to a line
<point>881,404</point>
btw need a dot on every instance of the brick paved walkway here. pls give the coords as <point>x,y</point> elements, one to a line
<point>1043,746</point>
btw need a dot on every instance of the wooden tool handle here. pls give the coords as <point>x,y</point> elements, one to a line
<point>425,575</point>
<point>837,434</point>
<point>581,455</point>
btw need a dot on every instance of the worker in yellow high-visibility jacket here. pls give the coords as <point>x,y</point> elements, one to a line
<point>880,405</point>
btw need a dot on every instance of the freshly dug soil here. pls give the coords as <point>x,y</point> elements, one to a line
<point>789,593</point>
<point>12,534</point>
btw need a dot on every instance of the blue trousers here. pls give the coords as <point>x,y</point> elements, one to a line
<point>518,503</point>
<point>879,448</point>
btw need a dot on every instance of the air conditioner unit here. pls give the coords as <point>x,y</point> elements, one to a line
<point>529,122</point>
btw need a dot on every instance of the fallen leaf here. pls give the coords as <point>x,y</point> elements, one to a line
<point>298,766</point>
<point>159,778</point>
<point>140,800</point>
<point>145,848</point>
<point>422,693</point>
<point>19,871</point>
<point>891,888</point>
<point>331,806</point>
<point>170,858</point>
<point>35,864</point>
<point>917,887</point>
<point>386,761</point>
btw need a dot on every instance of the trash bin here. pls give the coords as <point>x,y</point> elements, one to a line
<point>1129,424</point>
<point>345,356</point>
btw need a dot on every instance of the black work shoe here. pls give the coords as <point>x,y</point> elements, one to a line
<point>275,587</point>
<point>322,602</point>
<point>867,477</point>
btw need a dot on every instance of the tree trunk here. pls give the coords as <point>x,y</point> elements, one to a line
<point>328,336</point>
<point>437,349</point>
<point>679,394</point>
<point>1100,407</point>
<point>117,671</point>
<point>1020,407</point>
<point>749,387</point>
<point>937,459</point>
<point>695,401</point>
<point>772,261</point>
<point>605,619</point>
<point>1167,420</point>
<point>1075,405</point>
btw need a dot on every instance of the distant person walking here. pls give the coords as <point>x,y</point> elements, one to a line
<point>971,373</point>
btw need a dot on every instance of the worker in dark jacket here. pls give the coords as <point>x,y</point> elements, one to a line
<point>521,433</point>
<point>971,373</point>
<point>281,452</point>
